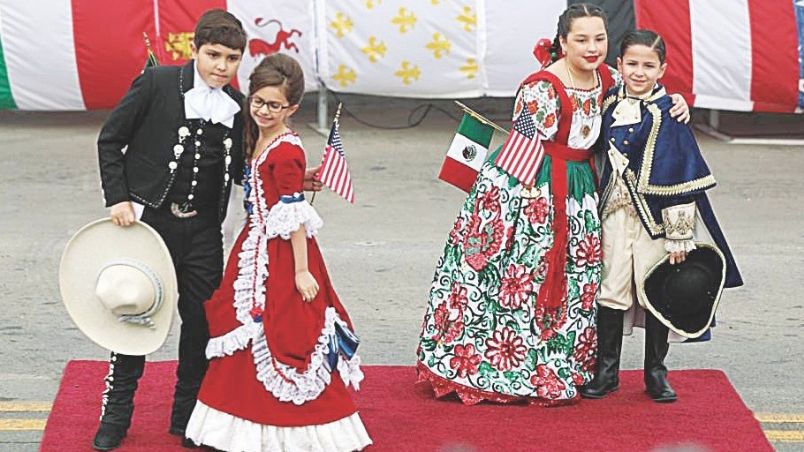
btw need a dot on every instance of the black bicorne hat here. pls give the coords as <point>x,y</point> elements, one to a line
<point>685,296</point>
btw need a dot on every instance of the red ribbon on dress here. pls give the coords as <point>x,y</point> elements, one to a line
<point>554,288</point>
<point>552,291</point>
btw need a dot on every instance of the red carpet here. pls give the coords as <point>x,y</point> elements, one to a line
<point>401,417</point>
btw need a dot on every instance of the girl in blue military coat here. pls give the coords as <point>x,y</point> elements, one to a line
<point>653,203</point>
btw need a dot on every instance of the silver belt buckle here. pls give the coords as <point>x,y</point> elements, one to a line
<point>180,210</point>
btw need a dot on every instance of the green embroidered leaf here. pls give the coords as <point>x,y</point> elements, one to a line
<point>432,361</point>
<point>512,376</point>
<point>574,292</point>
<point>591,222</point>
<point>569,345</point>
<point>428,345</point>
<point>487,371</point>
<point>531,360</point>
<point>564,373</point>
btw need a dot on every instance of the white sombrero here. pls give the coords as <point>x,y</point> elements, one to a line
<point>119,286</point>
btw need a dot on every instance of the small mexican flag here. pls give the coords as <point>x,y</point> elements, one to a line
<point>467,153</point>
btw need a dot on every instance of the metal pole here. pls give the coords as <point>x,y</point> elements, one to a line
<point>322,108</point>
<point>714,119</point>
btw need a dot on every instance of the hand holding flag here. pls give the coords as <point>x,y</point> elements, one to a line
<point>334,172</point>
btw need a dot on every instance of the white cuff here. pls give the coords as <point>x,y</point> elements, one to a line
<point>679,221</point>
<point>285,218</point>
<point>673,246</point>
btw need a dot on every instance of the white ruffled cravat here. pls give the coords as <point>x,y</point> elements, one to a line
<point>210,104</point>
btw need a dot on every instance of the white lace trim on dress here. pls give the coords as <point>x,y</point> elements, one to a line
<point>285,218</point>
<point>223,431</point>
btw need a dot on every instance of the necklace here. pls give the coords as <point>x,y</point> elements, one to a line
<point>586,128</point>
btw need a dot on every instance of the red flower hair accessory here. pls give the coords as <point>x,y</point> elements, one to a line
<point>542,51</point>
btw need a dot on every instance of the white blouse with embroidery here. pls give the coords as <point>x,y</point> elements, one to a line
<point>541,100</point>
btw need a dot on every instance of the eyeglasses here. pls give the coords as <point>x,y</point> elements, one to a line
<point>273,107</point>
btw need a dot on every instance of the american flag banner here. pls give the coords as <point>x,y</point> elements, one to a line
<point>523,151</point>
<point>334,172</point>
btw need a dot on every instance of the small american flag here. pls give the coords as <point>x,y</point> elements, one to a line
<point>334,172</point>
<point>522,152</point>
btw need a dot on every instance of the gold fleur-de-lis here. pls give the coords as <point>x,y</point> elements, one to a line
<point>470,68</point>
<point>439,45</point>
<point>342,24</point>
<point>372,3</point>
<point>178,44</point>
<point>375,49</point>
<point>408,72</point>
<point>468,18</point>
<point>405,20</point>
<point>345,76</point>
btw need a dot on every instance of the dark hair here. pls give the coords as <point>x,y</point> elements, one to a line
<point>565,23</point>
<point>276,70</point>
<point>217,26</point>
<point>647,38</point>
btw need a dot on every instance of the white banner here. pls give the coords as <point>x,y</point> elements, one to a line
<point>406,49</point>
<point>511,32</point>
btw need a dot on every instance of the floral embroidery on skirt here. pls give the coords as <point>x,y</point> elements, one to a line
<point>483,335</point>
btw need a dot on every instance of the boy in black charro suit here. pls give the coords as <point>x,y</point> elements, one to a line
<point>169,153</point>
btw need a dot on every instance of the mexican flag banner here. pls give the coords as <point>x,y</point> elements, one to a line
<point>466,153</point>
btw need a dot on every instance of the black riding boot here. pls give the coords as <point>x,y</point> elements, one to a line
<point>118,400</point>
<point>609,340</point>
<point>656,348</point>
<point>189,374</point>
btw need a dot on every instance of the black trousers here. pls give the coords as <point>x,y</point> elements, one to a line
<point>196,246</point>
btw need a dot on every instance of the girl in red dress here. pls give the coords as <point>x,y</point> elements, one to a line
<point>282,350</point>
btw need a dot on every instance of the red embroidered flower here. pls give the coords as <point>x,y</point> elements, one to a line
<point>550,321</point>
<point>587,106</point>
<point>549,120</point>
<point>482,242</point>
<point>537,210</point>
<point>585,350</point>
<point>457,232</point>
<point>551,92</point>
<point>490,201</point>
<point>547,383</point>
<point>588,296</point>
<point>516,286</point>
<point>454,330</point>
<point>466,360</point>
<point>440,320</point>
<point>577,379</point>
<point>505,349</point>
<point>533,107</point>
<point>589,251</point>
<point>457,297</point>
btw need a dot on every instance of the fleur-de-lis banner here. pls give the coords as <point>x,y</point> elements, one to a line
<point>743,56</point>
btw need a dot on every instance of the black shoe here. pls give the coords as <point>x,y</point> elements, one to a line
<point>187,443</point>
<point>610,340</point>
<point>656,348</point>
<point>109,437</point>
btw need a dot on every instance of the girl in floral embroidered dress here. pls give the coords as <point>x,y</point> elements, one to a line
<point>281,349</point>
<point>512,306</point>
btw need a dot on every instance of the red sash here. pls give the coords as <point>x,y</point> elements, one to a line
<point>554,288</point>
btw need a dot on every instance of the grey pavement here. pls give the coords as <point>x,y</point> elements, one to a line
<point>381,252</point>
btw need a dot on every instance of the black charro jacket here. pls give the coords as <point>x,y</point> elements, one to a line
<point>147,121</point>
